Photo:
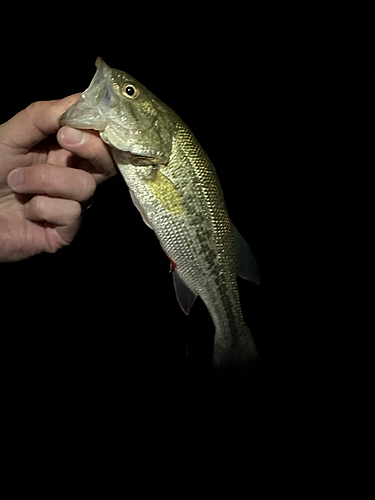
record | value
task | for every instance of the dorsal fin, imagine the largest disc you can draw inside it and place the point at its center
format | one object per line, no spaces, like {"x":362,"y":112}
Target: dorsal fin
{"x":247,"y":267}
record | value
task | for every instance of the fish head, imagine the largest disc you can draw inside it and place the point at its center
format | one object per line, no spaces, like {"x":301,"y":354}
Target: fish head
{"x":129,"y":117}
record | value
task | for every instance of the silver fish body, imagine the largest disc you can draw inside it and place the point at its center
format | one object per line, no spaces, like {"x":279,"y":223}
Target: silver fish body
{"x":175,"y":188}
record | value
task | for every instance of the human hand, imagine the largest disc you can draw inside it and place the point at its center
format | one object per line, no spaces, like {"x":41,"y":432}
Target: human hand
{"x":46,"y":172}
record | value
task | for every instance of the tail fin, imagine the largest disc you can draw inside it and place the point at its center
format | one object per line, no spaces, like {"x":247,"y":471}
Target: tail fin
{"x":241,"y":356}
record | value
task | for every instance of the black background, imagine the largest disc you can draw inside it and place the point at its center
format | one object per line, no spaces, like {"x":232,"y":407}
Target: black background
{"x":93,"y":340}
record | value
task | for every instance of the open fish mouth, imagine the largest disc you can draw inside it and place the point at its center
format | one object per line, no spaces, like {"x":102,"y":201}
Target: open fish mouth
{"x":90,"y":111}
{"x":81,"y":115}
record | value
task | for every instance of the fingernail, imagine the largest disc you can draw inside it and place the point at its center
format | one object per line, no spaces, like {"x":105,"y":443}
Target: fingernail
{"x":26,"y":209}
{"x":72,"y":136}
{"x":15,"y":178}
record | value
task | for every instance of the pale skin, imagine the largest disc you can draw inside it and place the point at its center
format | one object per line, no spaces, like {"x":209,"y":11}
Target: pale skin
{"x":46,"y":174}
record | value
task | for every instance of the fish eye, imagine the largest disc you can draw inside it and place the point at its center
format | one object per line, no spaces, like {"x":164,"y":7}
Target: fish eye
{"x":129,"y":90}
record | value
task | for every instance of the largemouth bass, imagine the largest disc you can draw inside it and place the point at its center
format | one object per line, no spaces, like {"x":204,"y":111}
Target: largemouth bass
{"x":174,"y":186}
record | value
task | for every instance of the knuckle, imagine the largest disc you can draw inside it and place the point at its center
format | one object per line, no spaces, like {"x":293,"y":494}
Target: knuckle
{"x":32,"y":105}
{"x":75,"y":210}
{"x":35,"y":204}
{"x":33,"y":108}
{"x":42,"y":177}
{"x":35,"y":207}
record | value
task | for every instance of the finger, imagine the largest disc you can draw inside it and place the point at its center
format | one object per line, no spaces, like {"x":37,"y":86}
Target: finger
{"x":61,"y":182}
{"x":34,"y":123}
{"x":53,"y":210}
{"x":87,"y":145}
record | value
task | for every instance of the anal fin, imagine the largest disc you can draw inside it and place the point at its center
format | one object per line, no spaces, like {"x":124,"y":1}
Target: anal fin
{"x":185,"y":296}
{"x":247,"y":267}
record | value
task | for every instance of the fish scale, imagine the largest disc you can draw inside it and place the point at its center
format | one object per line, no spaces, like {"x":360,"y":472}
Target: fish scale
{"x":175,"y":187}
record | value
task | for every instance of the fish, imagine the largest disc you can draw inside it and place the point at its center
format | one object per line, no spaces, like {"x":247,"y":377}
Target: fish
{"x":175,"y":187}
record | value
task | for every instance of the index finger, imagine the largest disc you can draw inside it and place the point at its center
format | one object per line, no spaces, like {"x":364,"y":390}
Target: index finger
{"x":34,"y":123}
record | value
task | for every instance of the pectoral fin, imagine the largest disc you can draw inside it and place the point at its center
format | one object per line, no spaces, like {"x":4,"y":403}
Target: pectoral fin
{"x":185,"y":296}
{"x":167,"y":193}
{"x":247,"y":267}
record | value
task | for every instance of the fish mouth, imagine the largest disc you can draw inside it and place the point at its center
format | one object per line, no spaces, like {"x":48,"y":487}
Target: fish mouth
{"x":90,"y":110}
